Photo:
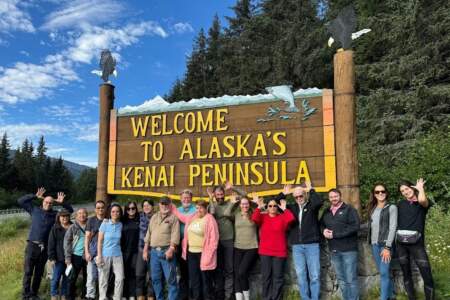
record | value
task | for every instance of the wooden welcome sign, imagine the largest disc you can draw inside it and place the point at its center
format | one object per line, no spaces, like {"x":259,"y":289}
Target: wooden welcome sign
{"x":258,"y":143}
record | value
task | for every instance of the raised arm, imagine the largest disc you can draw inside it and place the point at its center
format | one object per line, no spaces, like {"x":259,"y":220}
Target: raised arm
{"x":26,"y":201}
{"x":228,"y":212}
{"x":60,"y":200}
{"x":422,"y":197}
{"x":181,"y":217}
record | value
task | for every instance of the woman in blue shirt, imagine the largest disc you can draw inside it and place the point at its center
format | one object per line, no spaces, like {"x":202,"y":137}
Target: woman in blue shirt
{"x":109,"y":253}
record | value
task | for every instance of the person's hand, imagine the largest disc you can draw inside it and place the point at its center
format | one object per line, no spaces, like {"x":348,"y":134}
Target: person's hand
{"x":51,"y":263}
{"x":87,"y":256}
{"x":385,"y":255}
{"x":210,"y":192}
{"x":420,"y":185}
{"x":99,"y":261}
{"x":233,"y":198}
{"x":145,"y":255}
{"x":61,"y":197}
{"x":40,"y":193}
{"x":169,"y":253}
{"x":282,"y":204}
{"x":328,"y":234}
{"x":287,"y":189}
{"x":257,"y":200}
{"x":228,"y":185}
{"x":68,"y":262}
{"x":308,"y":186}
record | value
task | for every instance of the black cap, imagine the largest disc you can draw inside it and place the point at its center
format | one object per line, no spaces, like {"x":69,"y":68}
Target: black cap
{"x":165,"y":200}
{"x":64,"y":212}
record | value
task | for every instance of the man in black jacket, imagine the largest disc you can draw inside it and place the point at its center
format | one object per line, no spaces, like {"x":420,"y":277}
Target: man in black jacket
{"x":42,"y":220}
{"x":304,"y":237}
{"x":340,"y":225}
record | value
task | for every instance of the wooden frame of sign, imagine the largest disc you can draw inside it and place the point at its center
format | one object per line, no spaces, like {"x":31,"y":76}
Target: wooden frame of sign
{"x":258,"y":146}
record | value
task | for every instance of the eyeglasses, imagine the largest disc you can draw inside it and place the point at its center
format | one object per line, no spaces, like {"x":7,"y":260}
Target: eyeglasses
{"x":271,"y":206}
{"x":131,"y":208}
{"x":379,"y":192}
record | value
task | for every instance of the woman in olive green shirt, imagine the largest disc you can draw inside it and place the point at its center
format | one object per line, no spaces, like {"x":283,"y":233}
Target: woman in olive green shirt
{"x":245,"y":244}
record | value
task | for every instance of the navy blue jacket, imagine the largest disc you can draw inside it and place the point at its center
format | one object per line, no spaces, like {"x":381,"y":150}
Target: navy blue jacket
{"x":42,"y":221}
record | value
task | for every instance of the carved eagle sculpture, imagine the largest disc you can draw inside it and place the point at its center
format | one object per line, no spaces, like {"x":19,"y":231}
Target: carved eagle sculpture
{"x":107,"y":65}
{"x":342,"y":27}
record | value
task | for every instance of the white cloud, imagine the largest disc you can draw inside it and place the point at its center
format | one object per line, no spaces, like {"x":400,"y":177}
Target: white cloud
{"x":86,"y":132}
{"x":90,"y":101}
{"x":81,"y":12}
{"x":12,"y":18}
{"x":57,"y":150}
{"x":23,"y":52}
{"x":94,"y":39}
{"x":26,"y":81}
{"x":17,"y":133}
{"x":63,"y":111}
{"x":183,"y":27}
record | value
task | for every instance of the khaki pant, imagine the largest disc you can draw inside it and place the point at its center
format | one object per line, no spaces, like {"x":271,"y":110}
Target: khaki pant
{"x":116,"y":263}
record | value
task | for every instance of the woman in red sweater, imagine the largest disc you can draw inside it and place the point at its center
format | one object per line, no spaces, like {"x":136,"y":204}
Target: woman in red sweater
{"x":273,"y":226}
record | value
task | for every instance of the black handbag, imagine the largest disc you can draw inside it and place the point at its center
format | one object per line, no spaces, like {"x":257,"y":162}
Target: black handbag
{"x":408,"y":236}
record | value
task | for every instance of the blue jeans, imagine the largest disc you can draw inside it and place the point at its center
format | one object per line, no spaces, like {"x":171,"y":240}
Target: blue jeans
{"x":58,"y":272}
{"x":307,"y":264}
{"x":345,"y":265}
{"x":159,"y":265}
{"x":387,"y":286}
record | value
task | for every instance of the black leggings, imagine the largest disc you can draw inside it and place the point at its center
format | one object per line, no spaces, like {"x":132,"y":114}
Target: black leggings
{"x":244,"y":260}
{"x":415,"y":252}
{"x":200,"y":282}
{"x":79,"y":265}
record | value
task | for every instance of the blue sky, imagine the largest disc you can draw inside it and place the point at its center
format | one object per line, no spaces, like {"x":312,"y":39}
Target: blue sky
{"x":48,"y":49}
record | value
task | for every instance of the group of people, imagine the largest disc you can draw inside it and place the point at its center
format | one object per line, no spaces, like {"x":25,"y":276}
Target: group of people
{"x":214,"y":245}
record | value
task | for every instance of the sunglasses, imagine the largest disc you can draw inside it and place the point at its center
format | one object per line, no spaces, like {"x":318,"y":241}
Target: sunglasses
{"x":299,"y":196}
{"x":380,"y":192}
{"x":131,"y":208}
{"x":271,"y":205}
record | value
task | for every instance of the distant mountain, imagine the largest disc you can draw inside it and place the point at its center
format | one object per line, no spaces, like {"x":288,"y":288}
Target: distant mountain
{"x":74,"y":168}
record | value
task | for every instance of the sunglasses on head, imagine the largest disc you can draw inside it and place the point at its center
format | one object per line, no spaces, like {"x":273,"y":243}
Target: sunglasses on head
{"x":380,"y":192}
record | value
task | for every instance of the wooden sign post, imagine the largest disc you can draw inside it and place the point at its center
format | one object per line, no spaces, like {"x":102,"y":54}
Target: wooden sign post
{"x":106,"y":104}
{"x":345,"y":126}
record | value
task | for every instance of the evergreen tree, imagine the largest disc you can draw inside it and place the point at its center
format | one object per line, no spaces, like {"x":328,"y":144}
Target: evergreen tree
{"x":176,"y":93}
{"x":86,"y":185}
{"x":196,"y":74}
{"x":5,"y":163}
{"x":60,"y":178}
{"x":41,"y":168}
{"x":25,"y":168}
{"x":213,"y":60}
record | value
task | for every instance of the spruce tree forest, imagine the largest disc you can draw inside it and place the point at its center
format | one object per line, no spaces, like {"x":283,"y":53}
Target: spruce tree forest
{"x":27,"y":168}
{"x":402,"y":76}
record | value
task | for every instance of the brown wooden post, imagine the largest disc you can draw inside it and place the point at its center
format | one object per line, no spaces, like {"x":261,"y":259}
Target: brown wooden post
{"x":345,"y":126}
{"x":106,"y":104}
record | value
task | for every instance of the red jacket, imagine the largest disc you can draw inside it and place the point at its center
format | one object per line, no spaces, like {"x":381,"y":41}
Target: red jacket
{"x":272,"y":232}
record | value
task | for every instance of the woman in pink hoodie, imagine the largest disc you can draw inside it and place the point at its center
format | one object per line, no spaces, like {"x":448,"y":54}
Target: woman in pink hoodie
{"x":199,"y":246}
